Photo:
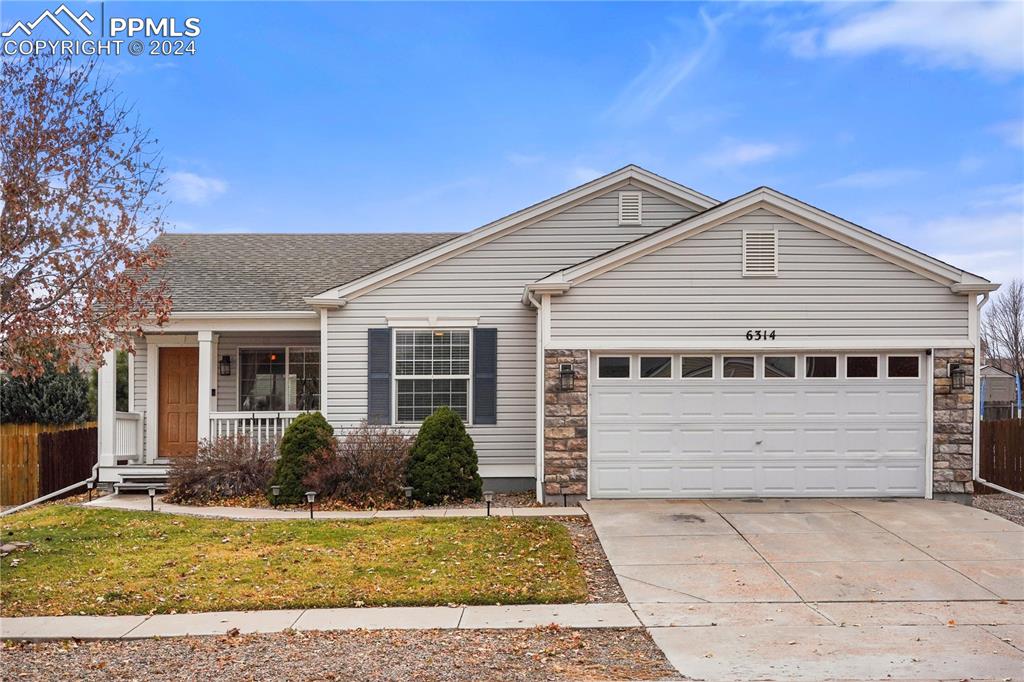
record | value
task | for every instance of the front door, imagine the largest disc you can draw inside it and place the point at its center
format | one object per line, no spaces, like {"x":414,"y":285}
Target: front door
{"x":179,"y":401}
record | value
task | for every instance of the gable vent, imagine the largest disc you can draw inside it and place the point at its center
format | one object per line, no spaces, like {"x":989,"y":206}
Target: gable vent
{"x":630,"y":208}
{"x":760,"y":253}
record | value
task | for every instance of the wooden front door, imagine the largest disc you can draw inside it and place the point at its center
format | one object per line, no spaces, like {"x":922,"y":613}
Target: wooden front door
{"x":178,"y":418}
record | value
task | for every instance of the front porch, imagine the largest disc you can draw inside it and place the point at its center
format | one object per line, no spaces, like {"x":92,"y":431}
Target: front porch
{"x":189,"y":387}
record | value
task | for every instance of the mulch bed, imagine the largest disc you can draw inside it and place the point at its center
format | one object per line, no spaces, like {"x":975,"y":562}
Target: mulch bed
{"x":549,"y":653}
{"x":1007,"y":506}
{"x":602,"y":585}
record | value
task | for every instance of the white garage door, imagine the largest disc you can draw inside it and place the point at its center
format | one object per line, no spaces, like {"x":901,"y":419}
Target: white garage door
{"x":737,"y":425}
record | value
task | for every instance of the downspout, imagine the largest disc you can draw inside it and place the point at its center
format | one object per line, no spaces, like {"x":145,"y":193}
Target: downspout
{"x":977,"y":410}
{"x":55,"y":493}
{"x":539,"y":399}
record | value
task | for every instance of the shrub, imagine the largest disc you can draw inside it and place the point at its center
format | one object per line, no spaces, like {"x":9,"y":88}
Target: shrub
{"x":53,"y":398}
{"x":443,"y":464}
{"x":307,"y":435}
{"x":365,"y":469}
{"x":220,"y":469}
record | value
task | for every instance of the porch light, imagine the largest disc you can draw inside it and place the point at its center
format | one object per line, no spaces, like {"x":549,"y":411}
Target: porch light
{"x":275,"y":490}
{"x":152,"y":497}
{"x":408,"y":495}
{"x":488,"y":498}
{"x":224,"y":366}
{"x":310,"y":497}
{"x":957,"y":375}
{"x":566,"y":376}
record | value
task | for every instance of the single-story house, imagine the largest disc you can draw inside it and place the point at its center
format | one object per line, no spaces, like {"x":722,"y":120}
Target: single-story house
{"x":998,"y":393}
{"x":630,"y":337}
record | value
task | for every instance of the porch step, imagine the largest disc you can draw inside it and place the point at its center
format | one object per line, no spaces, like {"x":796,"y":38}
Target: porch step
{"x":141,"y":483}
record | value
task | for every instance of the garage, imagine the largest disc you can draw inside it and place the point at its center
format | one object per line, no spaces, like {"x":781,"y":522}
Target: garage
{"x":758,"y":424}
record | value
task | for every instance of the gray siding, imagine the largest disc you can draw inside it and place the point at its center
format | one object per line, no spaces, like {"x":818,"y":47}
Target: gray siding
{"x":229,"y":343}
{"x":486,"y":282}
{"x":694,"y":291}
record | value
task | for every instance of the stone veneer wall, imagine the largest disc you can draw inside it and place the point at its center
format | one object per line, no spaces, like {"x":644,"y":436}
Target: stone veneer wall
{"x":953,"y":433}
{"x":565,"y":426}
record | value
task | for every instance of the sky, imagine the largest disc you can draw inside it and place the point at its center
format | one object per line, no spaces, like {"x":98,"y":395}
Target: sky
{"x":906,"y":118}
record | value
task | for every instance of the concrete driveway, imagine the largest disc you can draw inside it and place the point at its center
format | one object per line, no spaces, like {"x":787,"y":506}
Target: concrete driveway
{"x":822,"y":589}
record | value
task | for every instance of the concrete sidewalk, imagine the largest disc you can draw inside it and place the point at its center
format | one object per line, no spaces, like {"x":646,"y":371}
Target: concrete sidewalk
{"x":44,"y":628}
{"x":141,"y":503}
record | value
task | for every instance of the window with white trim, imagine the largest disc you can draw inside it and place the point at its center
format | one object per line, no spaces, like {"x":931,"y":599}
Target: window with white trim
{"x":284,"y":378}
{"x":432,"y":370}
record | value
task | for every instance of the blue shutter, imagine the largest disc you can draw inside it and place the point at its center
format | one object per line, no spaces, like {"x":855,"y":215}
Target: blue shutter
{"x":378,"y":400}
{"x":485,"y":376}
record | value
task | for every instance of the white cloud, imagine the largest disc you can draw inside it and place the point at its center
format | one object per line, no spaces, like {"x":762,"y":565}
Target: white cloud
{"x":665,"y":70}
{"x":957,"y":34}
{"x":874,"y":179}
{"x":582,"y":174}
{"x":993,"y":243}
{"x":1012,"y":132}
{"x":734,"y":153}
{"x":520,"y":159}
{"x":191,"y":188}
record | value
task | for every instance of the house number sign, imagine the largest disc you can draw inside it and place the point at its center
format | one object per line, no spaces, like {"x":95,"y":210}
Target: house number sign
{"x":760,"y":335}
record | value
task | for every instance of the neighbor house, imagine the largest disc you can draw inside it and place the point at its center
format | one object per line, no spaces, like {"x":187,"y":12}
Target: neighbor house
{"x":630,"y":337}
{"x":998,"y":393}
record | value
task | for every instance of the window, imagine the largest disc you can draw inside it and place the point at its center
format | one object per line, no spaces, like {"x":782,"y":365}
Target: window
{"x":431,"y":371}
{"x":696,"y":367}
{"x":613,"y":367}
{"x":861,"y":366}
{"x":278,"y":379}
{"x":738,"y":367}
{"x":659,"y":367}
{"x":821,"y":366}
{"x":776,"y":367}
{"x":903,"y":366}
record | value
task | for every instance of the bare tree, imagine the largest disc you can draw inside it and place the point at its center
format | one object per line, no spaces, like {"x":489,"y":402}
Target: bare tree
{"x":81,"y":204}
{"x":1003,"y":327}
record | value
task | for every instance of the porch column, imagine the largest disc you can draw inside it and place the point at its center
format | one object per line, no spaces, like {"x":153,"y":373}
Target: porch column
{"x":205,"y":383}
{"x":106,"y":399}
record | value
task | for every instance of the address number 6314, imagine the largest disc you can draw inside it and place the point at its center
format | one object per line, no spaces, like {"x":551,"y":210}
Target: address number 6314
{"x":760,"y":335}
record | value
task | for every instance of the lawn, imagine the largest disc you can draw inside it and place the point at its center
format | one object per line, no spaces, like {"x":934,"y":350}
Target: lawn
{"x":87,"y":561}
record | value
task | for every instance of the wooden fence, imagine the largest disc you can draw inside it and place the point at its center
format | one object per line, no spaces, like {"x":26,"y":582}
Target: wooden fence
{"x":1001,"y":454}
{"x":36,"y":459}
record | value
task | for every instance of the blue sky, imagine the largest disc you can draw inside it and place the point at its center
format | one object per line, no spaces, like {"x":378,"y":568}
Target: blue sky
{"x":905,"y":118}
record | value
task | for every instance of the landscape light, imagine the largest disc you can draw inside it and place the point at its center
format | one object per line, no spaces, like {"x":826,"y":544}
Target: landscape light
{"x":152,"y":497}
{"x":488,"y":498}
{"x":275,"y":490}
{"x":90,"y":485}
{"x":310,"y":497}
{"x":408,"y":495}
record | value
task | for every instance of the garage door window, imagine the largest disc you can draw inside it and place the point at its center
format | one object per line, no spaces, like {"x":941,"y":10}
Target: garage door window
{"x":903,"y":366}
{"x":697,"y":367}
{"x":656,"y":367}
{"x":821,"y":366}
{"x":779,"y":367}
{"x":738,"y":367}
{"x":610,"y":367}
{"x":862,"y":366}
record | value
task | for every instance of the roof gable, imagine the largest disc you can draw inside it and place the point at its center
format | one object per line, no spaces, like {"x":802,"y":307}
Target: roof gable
{"x":787,"y":207}
{"x":629,"y":175}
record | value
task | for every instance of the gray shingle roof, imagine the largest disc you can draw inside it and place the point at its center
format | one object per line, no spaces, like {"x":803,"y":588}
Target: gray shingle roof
{"x":225,"y":272}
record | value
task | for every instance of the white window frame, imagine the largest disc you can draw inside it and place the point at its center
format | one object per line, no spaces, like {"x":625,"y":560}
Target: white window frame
{"x":395,"y":378}
{"x":671,"y":367}
{"x":597,"y":366}
{"x":714,"y":369}
{"x":796,"y":366}
{"x":741,"y":354}
{"x":287,"y":366}
{"x":803,"y":366}
{"x":902,"y":355}
{"x":878,"y":366}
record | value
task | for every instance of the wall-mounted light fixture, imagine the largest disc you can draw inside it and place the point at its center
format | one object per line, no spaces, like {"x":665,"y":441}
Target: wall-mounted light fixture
{"x":224,"y":366}
{"x":566,"y":376}
{"x":957,"y":375}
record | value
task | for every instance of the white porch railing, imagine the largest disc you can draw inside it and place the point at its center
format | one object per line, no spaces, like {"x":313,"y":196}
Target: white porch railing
{"x":263,"y":426}
{"x":128,"y":435}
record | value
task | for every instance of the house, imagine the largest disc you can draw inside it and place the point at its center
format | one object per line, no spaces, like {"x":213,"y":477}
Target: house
{"x":630,"y":337}
{"x":998,"y":393}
